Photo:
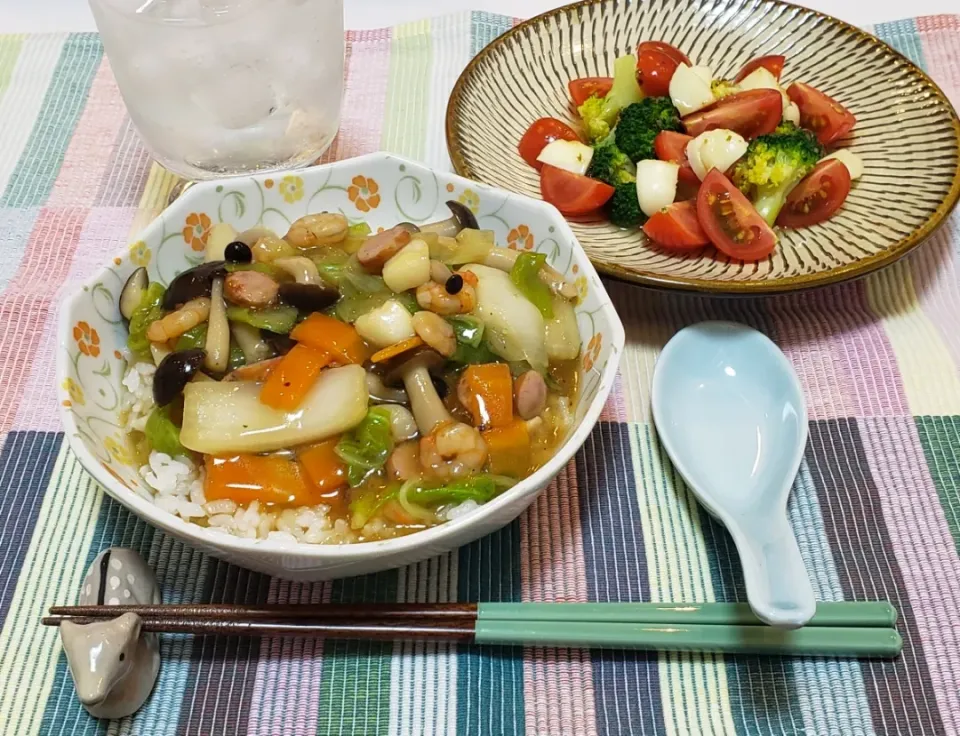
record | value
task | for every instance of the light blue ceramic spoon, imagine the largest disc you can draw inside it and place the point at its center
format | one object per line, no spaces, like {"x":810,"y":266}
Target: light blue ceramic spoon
{"x":731,"y":415}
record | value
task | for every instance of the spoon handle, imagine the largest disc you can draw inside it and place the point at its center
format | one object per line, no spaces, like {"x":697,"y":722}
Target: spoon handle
{"x":778,"y":587}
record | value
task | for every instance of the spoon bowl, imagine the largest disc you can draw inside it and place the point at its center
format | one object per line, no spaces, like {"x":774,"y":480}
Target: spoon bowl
{"x":731,"y":415}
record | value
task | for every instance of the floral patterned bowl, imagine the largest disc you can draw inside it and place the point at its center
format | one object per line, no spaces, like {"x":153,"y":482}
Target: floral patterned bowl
{"x":382,"y":190}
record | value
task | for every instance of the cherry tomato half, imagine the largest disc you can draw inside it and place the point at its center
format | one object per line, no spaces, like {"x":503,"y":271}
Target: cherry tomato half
{"x":818,"y":196}
{"x":583,"y":89}
{"x":676,"y":227}
{"x":773,"y":64}
{"x":571,"y":193}
{"x":822,"y":114}
{"x":656,"y":62}
{"x":542,"y":132}
{"x":670,"y":145}
{"x":751,"y":113}
{"x":731,"y":222}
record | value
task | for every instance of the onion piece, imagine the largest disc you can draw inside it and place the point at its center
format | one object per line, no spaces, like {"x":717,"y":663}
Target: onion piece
{"x":791,"y":113}
{"x":721,"y":148}
{"x":218,"y":238}
{"x":689,"y":91}
{"x":656,"y":184}
{"x":572,"y":156}
{"x":849,"y":159}
{"x":715,"y":149}
{"x":221,"y":418}
{"x":762,"y":78}
{"x":251,"y":342}
{"x":704,"y":72}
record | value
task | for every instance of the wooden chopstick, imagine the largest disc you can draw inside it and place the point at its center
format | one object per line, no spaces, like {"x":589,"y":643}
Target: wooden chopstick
{"x":451,"y":630}
{"x":293,"y":611}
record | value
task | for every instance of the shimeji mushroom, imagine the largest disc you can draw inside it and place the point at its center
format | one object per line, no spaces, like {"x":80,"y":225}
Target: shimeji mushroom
{"x":132,"y":292}
{"x":413,"y":370}
{"x":382,"y":394}
{"x":175,"y":371}
{"x":218,"y":331}
{"x":460,"y":219}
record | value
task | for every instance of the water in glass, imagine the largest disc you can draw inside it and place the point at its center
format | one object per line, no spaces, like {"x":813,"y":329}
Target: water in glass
{"x":223,"y":87}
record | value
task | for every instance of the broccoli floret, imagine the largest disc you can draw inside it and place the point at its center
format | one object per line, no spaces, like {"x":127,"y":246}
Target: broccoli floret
{"x":723,"y":88}
{"x":611,"y":165}
{"x":623,"y":208}
{"x":774,"y":164}
{"x":640,"y":123}
{"x":599,"y":114}
{"x":597,"y":118}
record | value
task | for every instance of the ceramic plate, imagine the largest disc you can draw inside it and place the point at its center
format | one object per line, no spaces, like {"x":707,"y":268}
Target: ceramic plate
{"x":907,"y":132}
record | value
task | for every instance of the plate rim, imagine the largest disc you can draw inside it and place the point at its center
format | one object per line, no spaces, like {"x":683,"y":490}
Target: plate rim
{"x":837,"y":275}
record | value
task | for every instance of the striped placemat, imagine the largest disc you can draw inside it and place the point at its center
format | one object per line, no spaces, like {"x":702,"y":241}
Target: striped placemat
{"x":876,"y":505}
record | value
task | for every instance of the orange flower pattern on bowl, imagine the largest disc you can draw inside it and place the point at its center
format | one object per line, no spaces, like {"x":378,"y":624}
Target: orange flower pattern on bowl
{"x":592,"y":352}
{"x":87,"y":339}
{"x":364,"y":192}
{"x":196,"y":230}
{"x":520,"y":238}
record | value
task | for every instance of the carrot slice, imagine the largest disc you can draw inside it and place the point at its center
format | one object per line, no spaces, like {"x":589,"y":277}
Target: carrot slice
{"x":486,"y":390}
{"x":332,"y":336}
{"x":396,"y":349}
{"x":293,"y":377}
{"x":509,"y":449}
{"x":323,"y":466}
{"x":270,"y":479}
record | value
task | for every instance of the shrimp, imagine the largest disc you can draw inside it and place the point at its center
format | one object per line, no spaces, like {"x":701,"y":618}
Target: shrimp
{"x":439,"y":299}
{"x":452,"y":450}
{"x":325,"y":228}
{"x":404,"y":461}
{"x":436,"y":332}
{"x":176,"y":323}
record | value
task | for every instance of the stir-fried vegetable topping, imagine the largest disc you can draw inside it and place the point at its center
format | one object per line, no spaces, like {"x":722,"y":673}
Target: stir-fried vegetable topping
{"x":366,"y":447}
{"x":148,"y":312}
{"x":334,"y":374}
{"x":478,"y":488}
{"x":162,"y":434}
{"x":274,"y":319}
{"x":525,"y":274}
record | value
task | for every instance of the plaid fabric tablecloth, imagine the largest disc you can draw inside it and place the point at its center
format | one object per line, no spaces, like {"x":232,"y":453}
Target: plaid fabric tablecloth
{"x":876,"y":505}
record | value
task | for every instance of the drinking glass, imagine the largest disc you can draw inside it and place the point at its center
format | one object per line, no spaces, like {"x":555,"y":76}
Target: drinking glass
{"x":224,"y":87}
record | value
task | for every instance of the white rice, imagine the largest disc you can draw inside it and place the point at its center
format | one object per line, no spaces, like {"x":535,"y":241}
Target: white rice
{"x":175,"y":484}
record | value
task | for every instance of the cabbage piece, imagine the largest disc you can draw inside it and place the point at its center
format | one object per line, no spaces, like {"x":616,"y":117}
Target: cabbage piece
{"x":147,"y":312}
{"x":220,"y":418}
{"x":368,"y":502}
{"x":162,"y":434}
{"x":479,"y":488}
{"x":365,"y":448}
{"x":275,"y":319}
{"x":471,"y":348}
{"x":563,"y":334}
{"x":514,"y":327}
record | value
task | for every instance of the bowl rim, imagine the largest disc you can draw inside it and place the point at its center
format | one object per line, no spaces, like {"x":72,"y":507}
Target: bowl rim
{"x":435,"y":536}
{"x":837,"y":275}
